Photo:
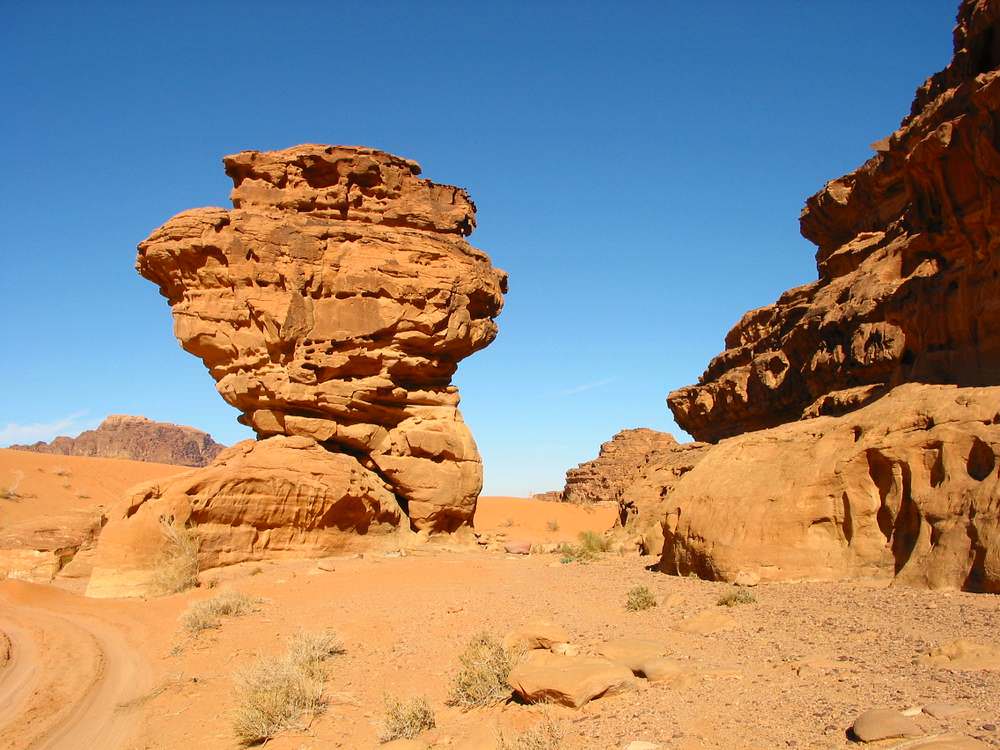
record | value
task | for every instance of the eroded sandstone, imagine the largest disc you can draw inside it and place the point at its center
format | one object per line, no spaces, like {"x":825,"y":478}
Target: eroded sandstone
{"x":331,"y":305}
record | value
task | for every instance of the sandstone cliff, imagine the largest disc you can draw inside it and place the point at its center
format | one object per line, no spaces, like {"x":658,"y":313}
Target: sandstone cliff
{"x":138,"y":439}
{"x":909,"y":273}
{"x":868,"y":459}
{"x":332,"y":305}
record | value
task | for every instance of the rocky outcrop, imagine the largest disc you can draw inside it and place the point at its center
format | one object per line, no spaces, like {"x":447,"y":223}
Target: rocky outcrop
{"x":137,"y":439}
{"x":331,"y":305}
{"x":636,"y":469}
{"x":616,"y":466}
{"x":906,"y":487}
{"x":908,"y":266}
{"x":40,"y":548}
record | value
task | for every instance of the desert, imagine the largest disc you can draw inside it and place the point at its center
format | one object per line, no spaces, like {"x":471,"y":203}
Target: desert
{"x":429,"y":508}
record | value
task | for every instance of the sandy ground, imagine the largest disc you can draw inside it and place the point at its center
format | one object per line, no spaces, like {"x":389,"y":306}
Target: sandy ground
{"x":792,"y":670}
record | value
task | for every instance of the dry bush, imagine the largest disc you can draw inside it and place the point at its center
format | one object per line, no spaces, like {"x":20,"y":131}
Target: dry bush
{"x":61,"y":471}
{"x":640,"y":598}
{"x":276,"y":693}
{"x":546,"y":735}
{"x":552,"y":525}
{"x":273,"y":694}
{"x":736,"y":597}
{"x":592,"y":545}
{"x":482,"y":679}
{"x":406,"y":719}
{"x":177,"y":566}
{"x":10,"y":492}
{"x":208,"y":613}
{"x":311,"y":650}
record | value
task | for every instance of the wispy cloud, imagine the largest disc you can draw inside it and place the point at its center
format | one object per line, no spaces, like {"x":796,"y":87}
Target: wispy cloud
{"x":31,"y":433}
{"x":586,"y":387}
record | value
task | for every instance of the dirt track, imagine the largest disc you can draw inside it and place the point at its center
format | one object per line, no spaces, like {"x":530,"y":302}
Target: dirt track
{"x":68,"y":675}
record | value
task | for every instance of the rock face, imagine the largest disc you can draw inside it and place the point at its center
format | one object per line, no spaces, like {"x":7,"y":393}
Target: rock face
{"x":138,"y":439}
{"x":909,"y":273}
{"x":332,"y":306}
{"x":908,"y":486}
{"x":616,"y":466}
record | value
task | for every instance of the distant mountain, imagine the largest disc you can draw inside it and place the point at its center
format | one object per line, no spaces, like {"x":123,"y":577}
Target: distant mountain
{"x":138,"y":439}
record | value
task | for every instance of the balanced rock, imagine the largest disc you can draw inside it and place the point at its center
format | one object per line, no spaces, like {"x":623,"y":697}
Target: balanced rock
{"x":331,"y":306}
{"x":544,"y":677}
{"x":909,"y":272}
{"x":136,"y":439}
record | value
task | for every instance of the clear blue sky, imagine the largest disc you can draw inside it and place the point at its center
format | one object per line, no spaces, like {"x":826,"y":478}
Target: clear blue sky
{"x":638,"y":167}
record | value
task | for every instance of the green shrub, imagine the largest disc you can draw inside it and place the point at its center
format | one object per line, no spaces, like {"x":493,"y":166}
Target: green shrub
{"x":640,"y":598}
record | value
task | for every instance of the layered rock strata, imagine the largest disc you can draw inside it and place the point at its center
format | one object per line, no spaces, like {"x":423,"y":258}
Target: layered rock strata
{"x":137,"y":439}
{"x":331,"y":305}
{"x":909,"y":273}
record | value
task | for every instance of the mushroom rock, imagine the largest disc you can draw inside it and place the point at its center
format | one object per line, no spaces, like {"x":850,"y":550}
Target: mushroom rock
{"x":331,"y":305}
{"x":908,"y":284}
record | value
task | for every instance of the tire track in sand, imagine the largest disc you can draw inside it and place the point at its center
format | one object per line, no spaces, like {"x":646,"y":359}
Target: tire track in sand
{"x":67,"y":676}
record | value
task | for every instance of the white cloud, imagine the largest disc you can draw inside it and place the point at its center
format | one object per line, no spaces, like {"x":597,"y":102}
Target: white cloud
{"x":586,"y":387}
{"x":31,"y":433}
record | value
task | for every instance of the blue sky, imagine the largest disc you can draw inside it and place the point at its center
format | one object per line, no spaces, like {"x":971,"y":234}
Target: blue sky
{"x":638,"y":167}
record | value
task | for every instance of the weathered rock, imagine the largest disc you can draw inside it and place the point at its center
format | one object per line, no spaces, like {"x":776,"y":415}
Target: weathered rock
{"x":945,"y":710}
{"x":632,"y":653}
{"x":331,"y":305}
{"x":908,"y":265}
{"x":637,"y":469}
{"x":948,"y":742}
{"x":964,"y":655}
{"x":884,"y":724}
{"x":137,"y":439}
{"x":39,"y":549}
{"x":269,"y":498}
{"x":534,"y":635}
{"x":568,"y":680}
{"x":907,"y":486}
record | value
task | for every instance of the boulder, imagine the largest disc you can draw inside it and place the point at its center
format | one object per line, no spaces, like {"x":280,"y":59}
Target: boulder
{"x":632,"y":653}
{"x":136,"y":439}
{"x":331,"y":305}
{"x":536,"y":634}
{"x":884,"y":724}
{"x":568,"y":680}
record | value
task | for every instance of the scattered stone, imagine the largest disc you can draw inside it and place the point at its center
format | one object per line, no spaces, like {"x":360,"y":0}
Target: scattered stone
{"x":884,"y":724}
{"x":632,"y":653}
{"x":535,"y":635}
{"x":746,"y":578}
{"x":518,"y":547}
{"x":964,"y":655}
{"x":568,"y":680}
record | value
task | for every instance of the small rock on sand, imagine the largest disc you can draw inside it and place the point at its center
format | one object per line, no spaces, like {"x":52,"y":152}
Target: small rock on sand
{"x":884,"y":724}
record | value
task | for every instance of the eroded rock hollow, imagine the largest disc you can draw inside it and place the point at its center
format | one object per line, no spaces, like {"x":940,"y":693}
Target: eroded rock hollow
{"x":331,"y":305}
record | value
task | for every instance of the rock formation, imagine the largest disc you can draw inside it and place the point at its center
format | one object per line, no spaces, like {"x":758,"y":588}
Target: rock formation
{"x":636,"y":469}
{"x":332,"y":306}
{"x":138,"y":439}
{"x":909,"y":273}
{"x":876,"y":453}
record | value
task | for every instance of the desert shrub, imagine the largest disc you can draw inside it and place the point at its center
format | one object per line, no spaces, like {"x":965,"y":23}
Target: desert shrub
{"x":272,"y":694}
{"x":208,"y":613}
{"x":10,"y":492}
{"x":737,"y":596}
{"x":482,"y":679}
{"x":406,"y":719}
{"x":177,"y":566}
{"x":311,"y":650}
{"x":592,"y":545}
{"x":546,"y":735}
{"x":61,"y":471}
{"x":552,"y":525}
{"x":507,"y":523}
{"x":640,"y":598}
